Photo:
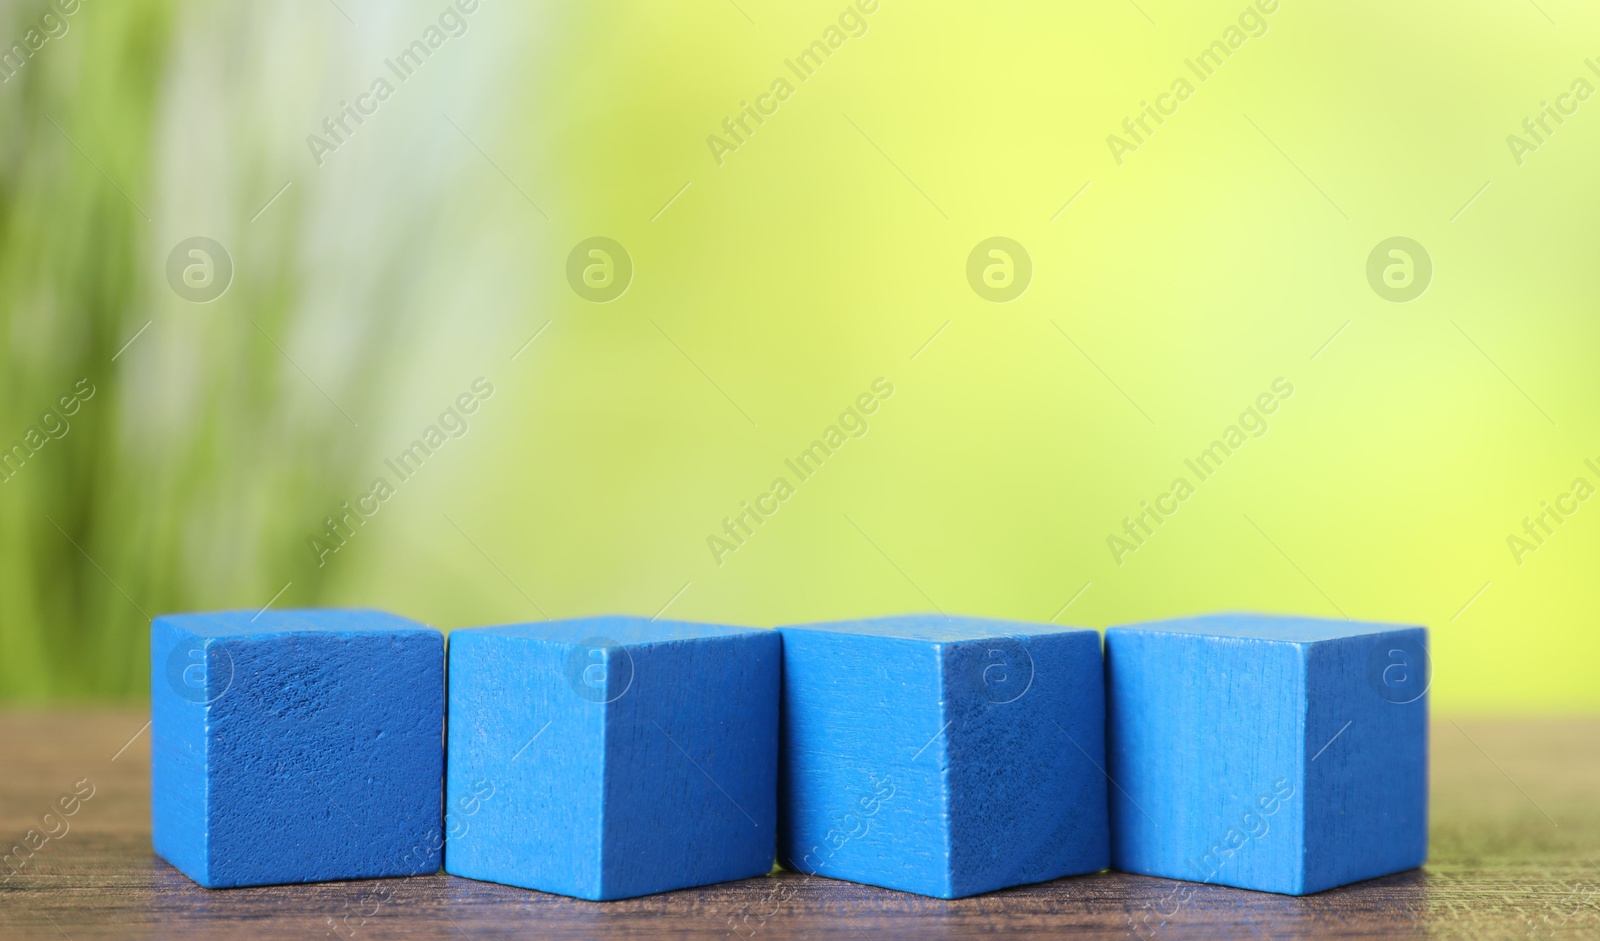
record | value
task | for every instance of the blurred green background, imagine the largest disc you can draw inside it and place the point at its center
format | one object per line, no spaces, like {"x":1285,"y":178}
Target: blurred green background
{"x":379,"y":270}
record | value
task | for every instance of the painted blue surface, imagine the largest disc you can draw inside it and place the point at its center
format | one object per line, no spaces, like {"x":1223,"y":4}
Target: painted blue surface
{"x":296,"y":746}
{"x":942,"y":756}
{"x":612,"y":757}
{"x":1285,"y":755}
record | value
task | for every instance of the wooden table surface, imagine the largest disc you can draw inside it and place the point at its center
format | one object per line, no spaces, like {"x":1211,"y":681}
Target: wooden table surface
{"x":1515,"y":839}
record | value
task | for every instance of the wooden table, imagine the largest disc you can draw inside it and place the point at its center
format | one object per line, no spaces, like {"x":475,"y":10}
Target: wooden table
{"x":1516,"y":832}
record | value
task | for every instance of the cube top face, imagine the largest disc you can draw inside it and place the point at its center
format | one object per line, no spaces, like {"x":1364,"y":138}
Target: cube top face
{"x":942,"y":763}
{"x":233,"y":624}
{"x":283,"y":755}
{"x":1267,"y":760}
{"x":1294,"y":630}
{"x":934,"y":628}
{"x":606,"y":761}
{"x":613,"y":631}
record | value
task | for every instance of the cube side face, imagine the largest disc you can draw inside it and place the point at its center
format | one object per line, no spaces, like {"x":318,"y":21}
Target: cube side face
{"x":691,"y":764}
{"x":326,"y":757}
{"x":1026,"y":749}
{"x":1366,"y":801}
{"x":862,"y":786}
{"x":525,"y":783}
{"x":1206,"y":742}
{"x":179,"y":702}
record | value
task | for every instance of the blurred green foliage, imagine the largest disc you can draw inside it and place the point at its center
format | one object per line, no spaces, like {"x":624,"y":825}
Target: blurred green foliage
{"x":70,"y":245}
{"x":161,"y":491}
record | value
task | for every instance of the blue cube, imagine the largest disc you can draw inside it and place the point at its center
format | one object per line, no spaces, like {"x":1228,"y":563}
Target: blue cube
{"x":612,"y":757}
{"x":942,"y":756}
{"x":1280,"y":754}
{"x":295,"y":746}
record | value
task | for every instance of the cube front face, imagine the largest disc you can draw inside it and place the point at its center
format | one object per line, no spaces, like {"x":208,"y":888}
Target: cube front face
{"x":861,"y":761}
{"x":300,"y":747}
{"x":941,"y":761}
{"x":1268,"y":754}
{"x":1206,"y":743}
{"x":612,"y":757}
{"x":524,"y":790}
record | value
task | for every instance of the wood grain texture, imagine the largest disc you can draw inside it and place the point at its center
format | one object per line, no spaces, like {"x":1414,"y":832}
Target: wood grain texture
{"x":1501,"y":868}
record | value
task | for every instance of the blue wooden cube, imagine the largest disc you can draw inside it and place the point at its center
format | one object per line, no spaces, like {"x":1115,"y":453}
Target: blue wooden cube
{"x":612,"y":757}
{"x":295,"y":746}
{"x":942,"y":756}
{"x":1273,"y":753}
